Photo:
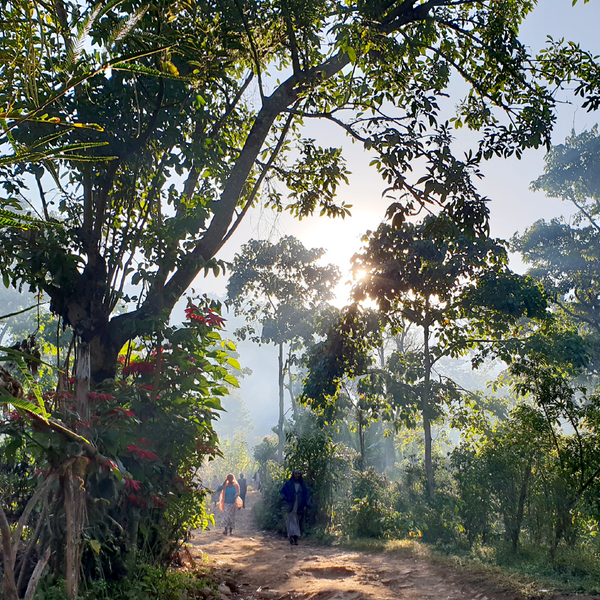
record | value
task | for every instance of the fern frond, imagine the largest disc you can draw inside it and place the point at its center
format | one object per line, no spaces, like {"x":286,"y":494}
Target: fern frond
{"x":22,"y":404}
{"x":8,"y":218}
{"x":83,"y":31}
{"x":57,"y":153}
{"x":129,"y":25}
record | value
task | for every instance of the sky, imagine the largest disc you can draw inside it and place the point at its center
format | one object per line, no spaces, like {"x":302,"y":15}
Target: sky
{"x":513,"y":206}
{"x":506,"y":182}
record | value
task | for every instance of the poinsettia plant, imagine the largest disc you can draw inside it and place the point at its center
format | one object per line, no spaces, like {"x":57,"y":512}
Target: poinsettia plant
{"x":149,"y":431}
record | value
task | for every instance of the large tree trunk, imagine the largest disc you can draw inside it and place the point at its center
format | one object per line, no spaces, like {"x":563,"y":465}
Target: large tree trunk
{"x":281,"y":406}
{"x":75,"y":495}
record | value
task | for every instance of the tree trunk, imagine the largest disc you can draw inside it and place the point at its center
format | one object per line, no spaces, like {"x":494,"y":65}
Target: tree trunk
{"x":281,"y":399}
{"x":74,"y":510}
{"x":75,"y":495}
{"x":361,"y":435}
{"x":290,"y":386}
{"x":8,"y":559}
{"x":425,"y":408}
{"x":521,"y":508}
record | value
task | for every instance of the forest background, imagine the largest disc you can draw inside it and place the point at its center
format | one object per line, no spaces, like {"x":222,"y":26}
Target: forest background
{"x":165,"y":360}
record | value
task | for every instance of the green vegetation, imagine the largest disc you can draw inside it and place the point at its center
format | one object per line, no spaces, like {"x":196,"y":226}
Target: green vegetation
{"x":516,"y":492}
{"x":135,"y":137}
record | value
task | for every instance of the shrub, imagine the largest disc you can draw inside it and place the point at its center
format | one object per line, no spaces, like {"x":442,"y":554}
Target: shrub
{"x":369,"y":507}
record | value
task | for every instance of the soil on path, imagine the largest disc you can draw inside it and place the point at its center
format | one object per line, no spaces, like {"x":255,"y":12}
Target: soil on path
{"x":264,"y":566}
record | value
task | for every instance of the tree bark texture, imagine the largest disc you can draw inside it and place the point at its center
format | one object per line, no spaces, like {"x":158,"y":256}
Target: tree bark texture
{"x":75,"y":494}
{"x":75,"y":515}
{"x":8,"y":559}
{"x":10,"y":545}
{"x":361,"y":434}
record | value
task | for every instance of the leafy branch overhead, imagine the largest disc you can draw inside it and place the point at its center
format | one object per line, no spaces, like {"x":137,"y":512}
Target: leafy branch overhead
{"x":199,"y":113}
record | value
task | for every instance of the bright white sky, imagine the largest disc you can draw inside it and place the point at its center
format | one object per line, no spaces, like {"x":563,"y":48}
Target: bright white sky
{"x":506,"y":183}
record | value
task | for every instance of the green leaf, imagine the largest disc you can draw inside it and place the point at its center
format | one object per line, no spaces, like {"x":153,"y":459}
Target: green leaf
{"x":234,"y":363}
{"x":22,"y":404}
{"x":231,"y":380}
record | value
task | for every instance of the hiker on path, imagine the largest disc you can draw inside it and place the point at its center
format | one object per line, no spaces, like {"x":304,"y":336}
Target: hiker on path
{"x":230,"y":494}
{"x":295,"y":493}
{"x":243,"y":489}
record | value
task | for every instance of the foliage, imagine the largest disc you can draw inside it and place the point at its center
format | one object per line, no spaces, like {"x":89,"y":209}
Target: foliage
{"x":147,"y":583}
{"x":564,"y":256}
{"x":443,"y":278}
{"x":324,"y":465}
{"x":234,"y":458}
{"x":278,"y":288}
{"x":533,"y":474}
{"x":270,"y":512}
{"x":265,"y":452}
{"x":369,"y":508}
{"x":151,"y":428}
{"x":182,"y":151}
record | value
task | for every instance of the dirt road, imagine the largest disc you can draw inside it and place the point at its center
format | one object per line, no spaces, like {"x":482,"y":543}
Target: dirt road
{"x":264,"y":566}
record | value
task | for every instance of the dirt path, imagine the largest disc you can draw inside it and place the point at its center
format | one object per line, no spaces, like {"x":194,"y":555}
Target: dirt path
{"x":264,"y":566}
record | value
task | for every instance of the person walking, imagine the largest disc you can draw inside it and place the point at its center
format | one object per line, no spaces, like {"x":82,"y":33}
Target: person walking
{"x":216,"y":490}
{"x":227,"y":502}
{"x":295,"y":493}
{"x":243,"y":489}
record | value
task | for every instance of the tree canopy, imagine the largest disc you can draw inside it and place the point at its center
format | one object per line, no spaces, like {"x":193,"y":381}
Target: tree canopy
{"x":197,"y":113}
{"x":278,"y":288}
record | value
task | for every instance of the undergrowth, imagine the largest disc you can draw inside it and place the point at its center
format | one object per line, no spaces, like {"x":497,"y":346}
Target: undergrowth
{"x":150,"y":583}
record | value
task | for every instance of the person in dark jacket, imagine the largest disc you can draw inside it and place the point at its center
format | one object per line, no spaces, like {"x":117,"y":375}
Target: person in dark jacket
{"x":243,"y":489}
{"x":295,"y":493}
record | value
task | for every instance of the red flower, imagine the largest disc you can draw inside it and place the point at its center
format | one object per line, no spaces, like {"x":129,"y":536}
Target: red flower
{"x":136,"y":501}
{"x":132,"y":484}
{"x":96,"y":397}
{"x":206,"y":448}
{"x":121,"y":412}
{"x":157,"y":501}
{"x":148,"y":388}
{"x":210,"y":318}
{"x":141,"y":453}
{"x":139,"y":368}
